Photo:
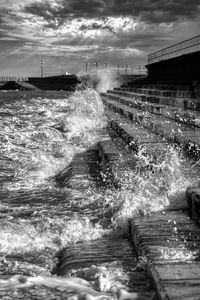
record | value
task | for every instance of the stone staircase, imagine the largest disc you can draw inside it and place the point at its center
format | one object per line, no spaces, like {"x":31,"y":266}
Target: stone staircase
{"x":148,"y":118}
{"x":173,"y":118}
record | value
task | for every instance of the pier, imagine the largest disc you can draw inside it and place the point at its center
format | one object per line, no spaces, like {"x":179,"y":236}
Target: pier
{"x":60,"y":82}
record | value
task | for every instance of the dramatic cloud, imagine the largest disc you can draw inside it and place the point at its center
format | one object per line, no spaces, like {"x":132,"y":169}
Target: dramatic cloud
{"x":66,"y":33}
{"x":156,"y":11}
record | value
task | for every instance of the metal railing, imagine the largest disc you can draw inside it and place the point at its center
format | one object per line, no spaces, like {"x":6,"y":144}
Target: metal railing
{"x":185,"y":47}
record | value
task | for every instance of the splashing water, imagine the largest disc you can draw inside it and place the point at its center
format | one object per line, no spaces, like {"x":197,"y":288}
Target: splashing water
{"x":41,"y":136}
{"x":87,"y":114}
{"x":160,"y":188}
{"x":107,"y":80}
{"x":47,"y":232}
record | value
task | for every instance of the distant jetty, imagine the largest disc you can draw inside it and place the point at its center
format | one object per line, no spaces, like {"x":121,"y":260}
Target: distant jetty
{"x":60,"y":82}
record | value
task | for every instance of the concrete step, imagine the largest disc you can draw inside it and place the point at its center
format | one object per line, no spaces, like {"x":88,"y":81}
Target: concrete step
{"x":159,"y":100}
{"x":76,"y":175}
{"x":156,"y":92}
{"x":79,"y":174}
{"x":161,"y":86}
{"x":135,"y":102}
{"x":109,"y":155}
{"x":108,"y":150}
{"x":185,"y":136}
{"x":189,"y":100}
{"x":169,"y":242}
{"x":111,"y":265}
{"x":174,"y":113}
{"x":140,"y":139}
{"x":136,"y":109}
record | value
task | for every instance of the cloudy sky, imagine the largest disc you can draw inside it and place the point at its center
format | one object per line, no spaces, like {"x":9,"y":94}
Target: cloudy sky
{"x":66,"y":34}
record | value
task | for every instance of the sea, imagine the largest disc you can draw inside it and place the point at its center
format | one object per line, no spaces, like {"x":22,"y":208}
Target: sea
{"x":40,"y":134}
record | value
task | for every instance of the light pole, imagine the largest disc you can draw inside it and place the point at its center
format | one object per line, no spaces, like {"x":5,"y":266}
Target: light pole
{"x":86,"y":67}
{"x":41,"y":67}
{"x":118,"y":69}
{"x":96,"y":64}
{"x":126,"y":68}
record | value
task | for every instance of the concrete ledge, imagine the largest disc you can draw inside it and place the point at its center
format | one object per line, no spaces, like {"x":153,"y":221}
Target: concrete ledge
{"x":108,"y":151}
{"x":89,"y":259}
{"x":193,"y":199}
{"x":180,"y":282}
{"x":109,"y":155}
{"x":139,"y":138}
{"x":174,"y":108}
{"x":184,"y":135}
{"x":169,"y":244}
{"x":76,"y":175}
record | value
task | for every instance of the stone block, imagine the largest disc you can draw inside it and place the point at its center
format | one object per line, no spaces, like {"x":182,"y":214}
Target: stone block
{"x":193,"y":199}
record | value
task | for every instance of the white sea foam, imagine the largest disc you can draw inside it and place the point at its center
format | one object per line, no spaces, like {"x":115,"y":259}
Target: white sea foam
{"x":45,"y":134}
{"x":160,"y":188}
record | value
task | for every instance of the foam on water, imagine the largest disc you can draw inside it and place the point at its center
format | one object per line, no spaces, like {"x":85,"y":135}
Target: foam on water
{"x":161,"y":187}
{"x":42,"y":135}
{"x":43,"y":232}
{"x":86,"y":115}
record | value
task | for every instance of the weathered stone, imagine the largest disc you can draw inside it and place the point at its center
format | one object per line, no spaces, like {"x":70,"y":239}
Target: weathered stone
{"x":166,"y":241}
{"x":180,"y":132}
{"x":108,"y":150}
{"x":193,"y":199}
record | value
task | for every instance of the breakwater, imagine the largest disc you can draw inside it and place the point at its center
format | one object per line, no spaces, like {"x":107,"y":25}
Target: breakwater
{"x":55,"y":83}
